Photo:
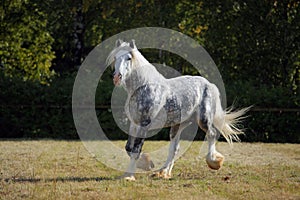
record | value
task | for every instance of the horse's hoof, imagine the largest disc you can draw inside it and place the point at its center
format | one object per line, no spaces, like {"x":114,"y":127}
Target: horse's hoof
{"x":161,"y":174}
{"x":215,"y":162}
{"x":129,"y":178}
{"x":145,"y":162}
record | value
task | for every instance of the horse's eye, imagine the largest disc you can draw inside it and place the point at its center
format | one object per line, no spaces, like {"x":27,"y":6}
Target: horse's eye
{"x":129,"y":58}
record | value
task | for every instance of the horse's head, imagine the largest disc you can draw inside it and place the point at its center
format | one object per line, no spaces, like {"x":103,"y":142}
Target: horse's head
{"x":121,"y":58}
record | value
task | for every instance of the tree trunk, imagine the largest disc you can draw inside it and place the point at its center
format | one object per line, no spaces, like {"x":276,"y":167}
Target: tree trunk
{"x":79,"y":29}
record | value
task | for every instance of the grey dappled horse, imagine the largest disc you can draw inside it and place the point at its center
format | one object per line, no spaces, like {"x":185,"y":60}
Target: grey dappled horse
{"x":155,"y":102}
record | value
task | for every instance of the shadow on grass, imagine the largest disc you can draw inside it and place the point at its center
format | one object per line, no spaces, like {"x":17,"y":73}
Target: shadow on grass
{"x":58,"y":179}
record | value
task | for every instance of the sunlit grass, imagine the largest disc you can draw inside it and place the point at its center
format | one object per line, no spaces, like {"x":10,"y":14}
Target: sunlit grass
{"x":49,"y":169}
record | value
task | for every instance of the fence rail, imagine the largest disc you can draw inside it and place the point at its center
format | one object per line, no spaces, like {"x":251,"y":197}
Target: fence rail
{"x":102,"y":107}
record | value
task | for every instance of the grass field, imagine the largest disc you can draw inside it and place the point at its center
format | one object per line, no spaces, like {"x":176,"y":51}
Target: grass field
{"x":48,"y":169}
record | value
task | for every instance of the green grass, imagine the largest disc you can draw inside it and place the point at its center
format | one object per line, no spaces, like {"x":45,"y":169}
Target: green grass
{"x":49,"y":169}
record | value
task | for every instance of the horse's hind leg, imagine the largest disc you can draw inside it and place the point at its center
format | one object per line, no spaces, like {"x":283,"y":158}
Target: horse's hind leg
{"x":175,"y":132}
{"x":214,"y":159}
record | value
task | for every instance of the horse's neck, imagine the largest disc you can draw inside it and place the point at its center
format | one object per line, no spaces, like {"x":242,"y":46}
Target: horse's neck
{"x":142,"y":75}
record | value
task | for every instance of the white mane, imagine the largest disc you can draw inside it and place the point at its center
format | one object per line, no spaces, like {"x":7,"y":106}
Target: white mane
{"x":141,"y":67}
{"x":111,"y":57}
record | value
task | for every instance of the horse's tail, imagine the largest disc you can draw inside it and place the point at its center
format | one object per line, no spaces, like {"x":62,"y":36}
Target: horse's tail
{"x":228,"y":121}
{"x":230,"y":129}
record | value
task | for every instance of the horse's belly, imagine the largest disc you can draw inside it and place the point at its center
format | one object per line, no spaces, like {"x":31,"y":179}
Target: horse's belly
{"x":173,"y":112}
{"x":165,"y":119}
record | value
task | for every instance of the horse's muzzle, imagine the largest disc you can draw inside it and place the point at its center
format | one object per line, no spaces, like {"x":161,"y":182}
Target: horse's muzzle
{"x":117,"y":79}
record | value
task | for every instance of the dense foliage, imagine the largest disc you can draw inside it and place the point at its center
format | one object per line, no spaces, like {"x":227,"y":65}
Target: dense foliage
{"x":25,"y":42}
{"x":255,"y":44}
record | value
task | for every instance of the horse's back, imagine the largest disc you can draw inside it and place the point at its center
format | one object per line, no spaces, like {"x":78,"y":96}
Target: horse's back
{"x":189,"y":91}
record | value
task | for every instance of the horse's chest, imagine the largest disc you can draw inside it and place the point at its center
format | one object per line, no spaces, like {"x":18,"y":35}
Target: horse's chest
{"x":145,"y":103}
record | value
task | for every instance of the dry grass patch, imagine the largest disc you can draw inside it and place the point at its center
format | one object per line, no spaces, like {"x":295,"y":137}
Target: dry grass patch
{"x":48,"y":169}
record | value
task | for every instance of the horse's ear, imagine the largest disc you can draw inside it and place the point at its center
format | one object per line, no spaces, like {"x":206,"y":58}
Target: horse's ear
{"x":132,"y":44}
{"x":119,"y":42}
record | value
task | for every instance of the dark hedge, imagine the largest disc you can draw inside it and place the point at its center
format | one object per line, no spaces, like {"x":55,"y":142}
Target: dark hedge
{"x":31,"y":110}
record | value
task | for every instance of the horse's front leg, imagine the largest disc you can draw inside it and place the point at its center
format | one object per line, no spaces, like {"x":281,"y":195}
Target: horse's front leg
{"x":134,"y":147}
{"x":165,"y":171}
{"x":175,"y":132}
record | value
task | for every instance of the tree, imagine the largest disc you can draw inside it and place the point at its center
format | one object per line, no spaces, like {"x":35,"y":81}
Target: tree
{"x":256,"y":42}
{"x":25,"y":43}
